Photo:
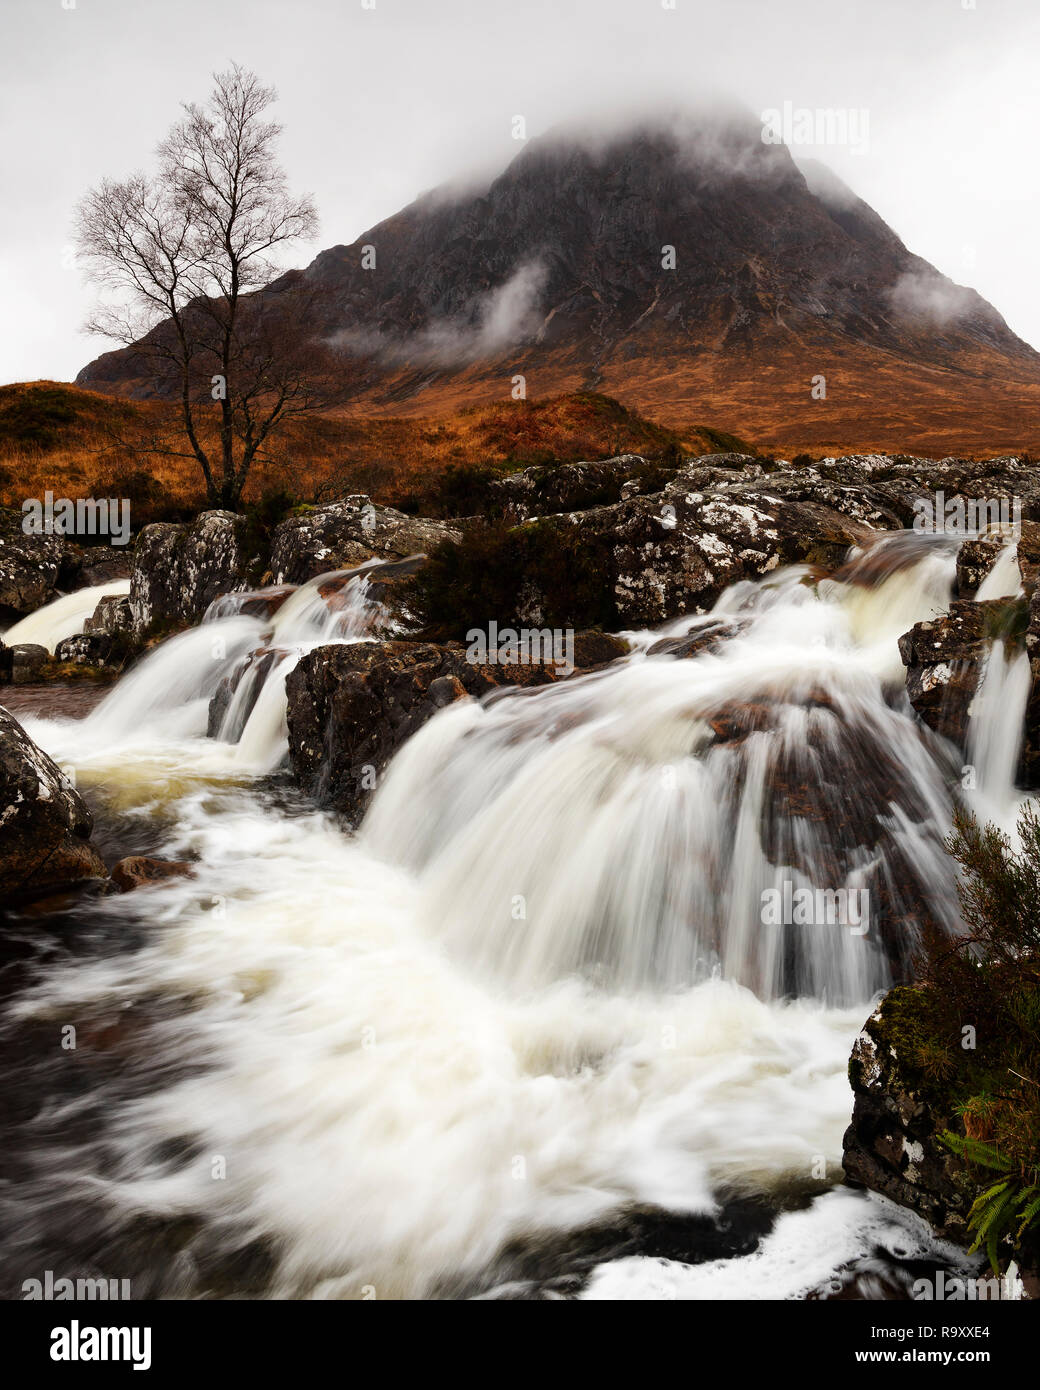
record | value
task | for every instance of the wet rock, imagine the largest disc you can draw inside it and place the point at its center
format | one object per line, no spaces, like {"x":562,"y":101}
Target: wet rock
{"x":1029,"y":556}
{"x":708,"y":638}
{"x":180,"y":568}
{"x":100,"y":564}
{"x":675,"y":551}
{"x":598,"y":649}
{"x":892,"y":1145}
{"x":28,"y":662}
{"x":248,"y":676}
{"x":944,"y":659}
{"x":6,"y":663}
{"x":251,"y":603}
{"x":86,"y":649}
{"x":345,"y":534}
{"x":140,"y":870}
{"x":112,"y":615}
{"x":30,"y":567}
{"x":44,"y":823}
{"x":975,"y":559}
{"x":350,"y":708}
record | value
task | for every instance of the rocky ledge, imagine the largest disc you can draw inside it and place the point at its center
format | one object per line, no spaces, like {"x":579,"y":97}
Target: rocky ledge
{"x":892,"y":1145}
{"x":351,"y":707}
{"x":44,"y":823}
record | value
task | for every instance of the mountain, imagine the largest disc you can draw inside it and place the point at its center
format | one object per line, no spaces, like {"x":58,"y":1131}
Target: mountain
{"x":683,"y":266}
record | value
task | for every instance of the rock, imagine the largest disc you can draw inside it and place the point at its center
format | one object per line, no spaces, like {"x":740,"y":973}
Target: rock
{"x":112,"y":615}
{"x":1029,"y":556}
{"x":139,"y":870}
{"x":708,"y":638}
{"x":544,"y":489}
{"x":44,"y":824}
{"x":30,"y":568}
{"x":674,"y":552}
{"x":944,"y":659}
{"x":100,"y":564}
{"x":351,"y":707}
{"x":598,"y":649}
{"x":254,"y":669}
{"x":6,"y":663}
{"x":250,"y":603}
{"x":342,"y":535}
{"x":87,"y":649}
{"x":975,"y":559}
{"x":28,"y":662}
{"x":180,"y":568}
{"x":892,"y":1145}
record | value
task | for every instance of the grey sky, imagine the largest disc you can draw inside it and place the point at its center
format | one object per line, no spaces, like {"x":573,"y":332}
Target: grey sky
{"x":382,"y":102}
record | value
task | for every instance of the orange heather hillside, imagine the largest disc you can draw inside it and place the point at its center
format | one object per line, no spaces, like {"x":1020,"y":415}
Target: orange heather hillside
{"x":80,"y":443}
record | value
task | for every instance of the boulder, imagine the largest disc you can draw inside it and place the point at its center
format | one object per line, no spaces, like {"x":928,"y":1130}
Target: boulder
{"x":344,"y":534}
{"x":944,"y":658}
{"x":707,"y":638}
{"x":100,"y":564}
{"x":180,"y":568}
{"x":111,"y":616}
{"x":975,"y":559}
{"x":139,"y":870}
{"x":350,"y":708}
{"x":88,"y":649}
{"x":892,"y":1145}
{"x":543,"y":489}
{"x":30,"y":568}
{"x":28,"y":662}
{"x":44,"y":824}
{"x":675,"y":551}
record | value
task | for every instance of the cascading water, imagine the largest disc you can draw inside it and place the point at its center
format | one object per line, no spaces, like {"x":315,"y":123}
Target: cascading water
{"x":537,"y":989}
{"x":64,"y":617}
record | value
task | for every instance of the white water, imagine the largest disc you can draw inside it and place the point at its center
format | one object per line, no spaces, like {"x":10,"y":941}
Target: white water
{"x":1004,"y":579}
{"x":995,"y":734}
{"x":64,"y":617}
{"x":401,"y":1075}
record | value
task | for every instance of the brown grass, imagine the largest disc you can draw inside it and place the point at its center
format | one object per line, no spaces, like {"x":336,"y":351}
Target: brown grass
{"x":61,"y":438}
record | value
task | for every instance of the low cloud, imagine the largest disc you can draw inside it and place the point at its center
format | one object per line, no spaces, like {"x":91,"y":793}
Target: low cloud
{"x":504,"y":318}
{"x":925,"y":297}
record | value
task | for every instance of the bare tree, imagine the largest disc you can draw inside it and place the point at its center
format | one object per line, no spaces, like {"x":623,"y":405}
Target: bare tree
{"x":181,"y":255}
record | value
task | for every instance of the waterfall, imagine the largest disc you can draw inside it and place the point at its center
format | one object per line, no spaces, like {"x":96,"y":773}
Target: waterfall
{"x":1004,"y":579}
{"x":252,"y":641}
{"x":712,"y":781}
{"x":538,"y":988}
{"x":64,"y":617}
{"x":995,"y":733}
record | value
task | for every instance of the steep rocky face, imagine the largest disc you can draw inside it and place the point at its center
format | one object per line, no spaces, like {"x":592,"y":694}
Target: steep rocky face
{"x":944,"y":658}
{"x":664,"y":263}
{"x":44,"y":824}
{"x":179,"y":569}
{"x":892,"y":1145}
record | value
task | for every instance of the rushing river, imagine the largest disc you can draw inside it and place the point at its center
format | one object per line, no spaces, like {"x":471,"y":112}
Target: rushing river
{"x":526,"y":1032}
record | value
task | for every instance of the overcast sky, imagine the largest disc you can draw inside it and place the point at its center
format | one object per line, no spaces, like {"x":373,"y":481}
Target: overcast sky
{"x":381,"y":99}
